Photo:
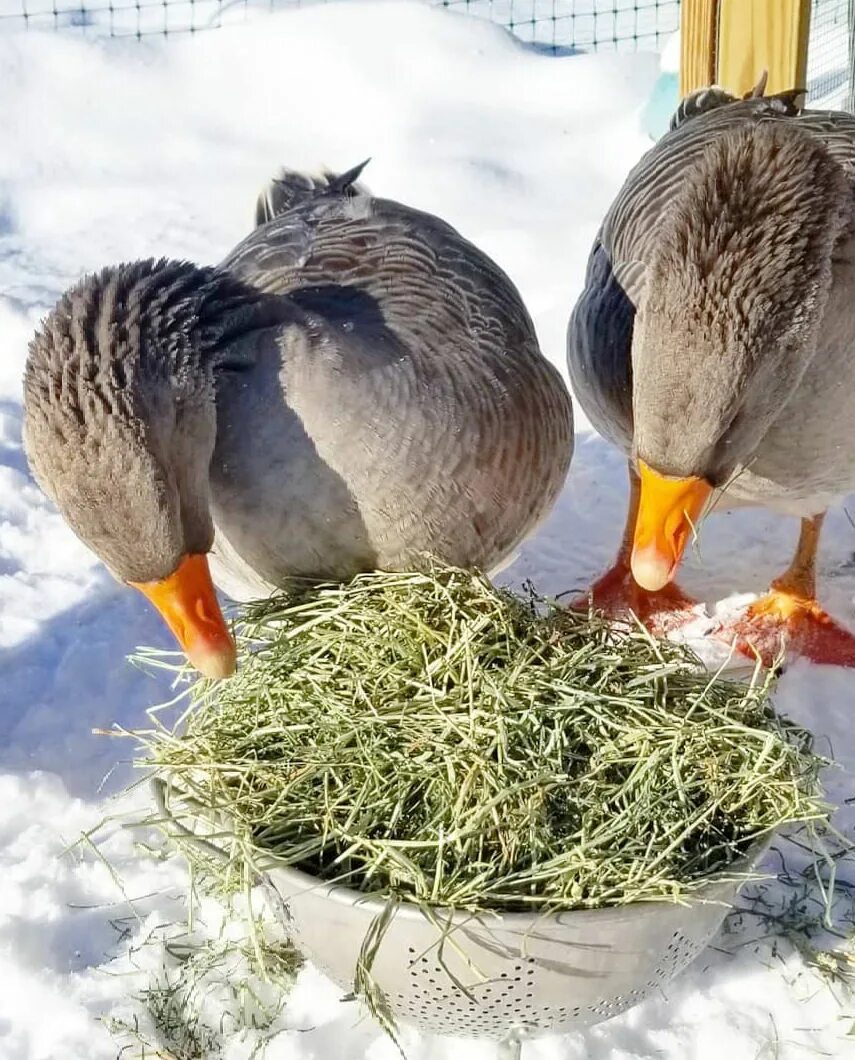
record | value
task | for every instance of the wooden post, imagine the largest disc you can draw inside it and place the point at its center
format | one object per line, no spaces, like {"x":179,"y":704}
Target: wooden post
{"x":698,"y":31}
{"x":758,"y":35}
{"x":731,"y":43}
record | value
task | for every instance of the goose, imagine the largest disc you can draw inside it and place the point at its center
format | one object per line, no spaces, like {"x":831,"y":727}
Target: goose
{"x":354,"y":387}
{"x":714,"y":344}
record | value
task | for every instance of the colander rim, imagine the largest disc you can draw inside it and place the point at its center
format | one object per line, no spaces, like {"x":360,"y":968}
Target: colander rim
{"x":717,"y":891}
{"x":720,"y":891}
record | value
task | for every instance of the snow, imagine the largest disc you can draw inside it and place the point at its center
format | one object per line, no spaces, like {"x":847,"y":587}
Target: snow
{"x":670,"y":59}
{"x":118,"y":149}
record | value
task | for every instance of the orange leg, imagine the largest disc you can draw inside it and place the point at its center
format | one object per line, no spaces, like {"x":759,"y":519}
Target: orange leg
{"x":618,"y":596}
{"x":789,"y":615}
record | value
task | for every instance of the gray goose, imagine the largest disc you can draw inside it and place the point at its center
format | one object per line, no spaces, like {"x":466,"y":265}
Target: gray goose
{"x":714,"y":343}
{"x":355,"y":386}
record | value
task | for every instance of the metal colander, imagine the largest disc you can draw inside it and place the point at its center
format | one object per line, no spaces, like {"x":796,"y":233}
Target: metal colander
{"x":506,"y":976}
{"x":524,"y":974}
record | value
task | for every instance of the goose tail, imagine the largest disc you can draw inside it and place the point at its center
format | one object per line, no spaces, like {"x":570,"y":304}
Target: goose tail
{"x":789,"y":103}
{"x":290,"y":188}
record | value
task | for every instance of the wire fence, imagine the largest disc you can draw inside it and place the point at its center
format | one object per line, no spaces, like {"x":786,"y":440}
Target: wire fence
{"x":831,"y":62}
{"x":570,"y":25}
{"x":557,"y":26}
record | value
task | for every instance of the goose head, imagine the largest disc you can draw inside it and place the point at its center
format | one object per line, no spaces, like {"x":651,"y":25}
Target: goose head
{"x":734,"y":295}
{"x":119,"y":430}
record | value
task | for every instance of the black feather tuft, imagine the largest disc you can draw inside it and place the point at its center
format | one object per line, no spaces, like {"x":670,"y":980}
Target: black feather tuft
{"x":290,"y":189}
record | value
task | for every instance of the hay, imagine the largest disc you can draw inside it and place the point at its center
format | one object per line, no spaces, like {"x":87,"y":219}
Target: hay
{"x":430,"y":737}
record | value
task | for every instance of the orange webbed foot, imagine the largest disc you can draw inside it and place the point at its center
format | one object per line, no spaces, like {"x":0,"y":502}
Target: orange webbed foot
{"x":785,"y":620}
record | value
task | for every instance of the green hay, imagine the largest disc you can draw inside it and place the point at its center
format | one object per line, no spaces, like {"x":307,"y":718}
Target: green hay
{"x":429,"y":737}
{"x":207,"y":994}
{"x":807,"y":905}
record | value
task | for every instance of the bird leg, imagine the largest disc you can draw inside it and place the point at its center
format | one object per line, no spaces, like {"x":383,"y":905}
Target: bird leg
{"x":617,"y":594}
{"x":789,"y":615}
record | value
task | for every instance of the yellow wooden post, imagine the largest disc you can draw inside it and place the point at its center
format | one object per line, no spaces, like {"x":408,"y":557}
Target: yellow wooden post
{"x":758,"y":35}
{"x":698,"y":30}
{"x":731,"y":43}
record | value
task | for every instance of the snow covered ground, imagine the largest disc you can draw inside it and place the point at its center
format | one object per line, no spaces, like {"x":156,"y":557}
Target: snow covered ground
{"x":118,"y":149}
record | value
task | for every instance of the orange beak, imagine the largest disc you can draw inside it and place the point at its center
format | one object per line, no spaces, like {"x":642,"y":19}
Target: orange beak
{"x":188,"y":604}
{"x":668,"y":510}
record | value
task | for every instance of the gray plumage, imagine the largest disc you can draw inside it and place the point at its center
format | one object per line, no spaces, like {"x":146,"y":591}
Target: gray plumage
{"x":715,"y":335}
{"x":355,"y":385}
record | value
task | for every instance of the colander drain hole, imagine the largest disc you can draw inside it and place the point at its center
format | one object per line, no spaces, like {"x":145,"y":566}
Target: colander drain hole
{"x":509,"y":999}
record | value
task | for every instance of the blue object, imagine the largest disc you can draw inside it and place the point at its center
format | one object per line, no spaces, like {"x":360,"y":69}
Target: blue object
{"x":661,"y":105}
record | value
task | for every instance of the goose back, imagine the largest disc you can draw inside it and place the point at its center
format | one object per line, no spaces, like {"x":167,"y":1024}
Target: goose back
{"x":599,"y":341}
{"x":414,"y":411}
